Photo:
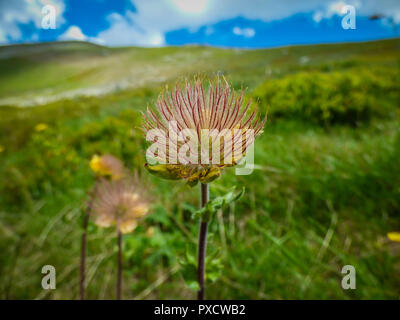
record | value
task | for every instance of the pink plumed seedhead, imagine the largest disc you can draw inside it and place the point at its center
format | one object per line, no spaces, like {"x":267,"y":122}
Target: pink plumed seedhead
{"x":121,"y":203}
{"x":214,"y":120}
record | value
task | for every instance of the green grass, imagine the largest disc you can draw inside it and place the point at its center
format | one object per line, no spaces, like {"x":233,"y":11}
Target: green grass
{"x":322,"y":195}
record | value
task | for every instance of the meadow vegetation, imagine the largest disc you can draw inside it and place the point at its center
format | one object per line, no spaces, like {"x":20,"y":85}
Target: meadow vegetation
{"x":324,"y":193}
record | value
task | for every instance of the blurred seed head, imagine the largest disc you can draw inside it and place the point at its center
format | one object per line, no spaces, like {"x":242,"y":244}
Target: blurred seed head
{"x":122,"y":203}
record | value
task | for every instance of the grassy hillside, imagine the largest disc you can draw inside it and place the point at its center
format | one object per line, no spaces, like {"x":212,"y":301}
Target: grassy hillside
{"x":324,"y":194}
{"x":38,"y":73}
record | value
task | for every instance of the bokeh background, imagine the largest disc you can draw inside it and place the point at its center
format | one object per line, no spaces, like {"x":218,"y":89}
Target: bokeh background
{"x":326,"y":188}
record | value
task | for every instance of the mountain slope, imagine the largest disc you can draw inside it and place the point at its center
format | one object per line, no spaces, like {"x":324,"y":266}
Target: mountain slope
{"x":39,"y":73}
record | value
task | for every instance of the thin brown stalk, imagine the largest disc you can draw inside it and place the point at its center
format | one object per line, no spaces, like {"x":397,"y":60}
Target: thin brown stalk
{"x":202,"y":244}
{"x":119,"y":280}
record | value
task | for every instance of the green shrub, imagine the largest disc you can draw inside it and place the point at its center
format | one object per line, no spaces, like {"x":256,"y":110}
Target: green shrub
{"x":348,"y":97}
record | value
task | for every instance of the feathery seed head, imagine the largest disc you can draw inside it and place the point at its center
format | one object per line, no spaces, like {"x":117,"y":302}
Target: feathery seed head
{"x":199,"y":130}
{"x":121,"y":203}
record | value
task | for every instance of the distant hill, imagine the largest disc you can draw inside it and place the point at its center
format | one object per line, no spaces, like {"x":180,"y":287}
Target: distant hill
{"x":32,"y":74}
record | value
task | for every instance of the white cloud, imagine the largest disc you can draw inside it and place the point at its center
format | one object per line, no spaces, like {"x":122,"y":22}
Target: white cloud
{"x":191,"y":6}
{"x":245,"y":32}
{"x":153,"y":18}
{"x":124,"y":31}
{"x":75,"y":33}
{"x":147,"y":25}
{"x":333,"y":8}
{"x":389,"y":8}
{"x":17,"y":12}
{"x":318,"y":16}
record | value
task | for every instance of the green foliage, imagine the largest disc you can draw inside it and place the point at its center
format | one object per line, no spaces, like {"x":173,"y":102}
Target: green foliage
{"x":349,"y":97}
{"x":60,"y":154}
{"x":317,"y":200}
{"x":206,"y":213}
{"x":213,"y":264}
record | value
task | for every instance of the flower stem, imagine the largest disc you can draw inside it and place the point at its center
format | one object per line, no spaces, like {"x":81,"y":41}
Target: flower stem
{"x":119,"y":280}
{"x":202,"y":244}
{"x":83,"y":254}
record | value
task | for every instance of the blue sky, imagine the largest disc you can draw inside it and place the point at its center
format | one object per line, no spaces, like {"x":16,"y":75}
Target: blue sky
{"x":226,"y":23}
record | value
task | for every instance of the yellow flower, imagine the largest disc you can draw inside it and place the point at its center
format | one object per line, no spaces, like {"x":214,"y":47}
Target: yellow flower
{"x":107,"y":166}
{"x":1,"y":148}
{"x":96,"y":166}
{"x":394,"y":236}
{"x":41,"y":127}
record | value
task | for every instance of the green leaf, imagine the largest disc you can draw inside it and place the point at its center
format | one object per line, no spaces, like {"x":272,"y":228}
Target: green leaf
{"x":189,"y":268}
{"x":217,"y":203}
{"x":193,"y":285}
